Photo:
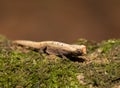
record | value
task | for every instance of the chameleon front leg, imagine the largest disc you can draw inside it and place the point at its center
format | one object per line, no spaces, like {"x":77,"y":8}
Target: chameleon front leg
{"x":43,"y":50}
{"x":56,"y":51}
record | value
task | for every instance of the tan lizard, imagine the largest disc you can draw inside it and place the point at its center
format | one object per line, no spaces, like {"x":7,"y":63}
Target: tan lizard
{"x":54,"y":47}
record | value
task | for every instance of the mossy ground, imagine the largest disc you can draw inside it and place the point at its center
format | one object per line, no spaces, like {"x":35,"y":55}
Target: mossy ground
{"x":24,"y":68}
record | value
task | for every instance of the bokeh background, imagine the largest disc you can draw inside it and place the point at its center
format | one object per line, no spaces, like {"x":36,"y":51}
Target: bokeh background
{"x":60,"y":20}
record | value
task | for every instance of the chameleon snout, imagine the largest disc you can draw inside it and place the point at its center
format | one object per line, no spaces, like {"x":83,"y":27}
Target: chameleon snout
{"x":83,"y":49}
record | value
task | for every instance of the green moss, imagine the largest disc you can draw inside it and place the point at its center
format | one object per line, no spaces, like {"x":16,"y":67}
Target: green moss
{"x":25,"y":68}
{"x":106,"y":46}
{"x":34,"y":70}
{"x":102,"y":75}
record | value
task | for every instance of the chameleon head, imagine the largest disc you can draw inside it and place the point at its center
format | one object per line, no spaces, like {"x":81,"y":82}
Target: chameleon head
{"x":83,"y":49}
{"x":80,"y":49}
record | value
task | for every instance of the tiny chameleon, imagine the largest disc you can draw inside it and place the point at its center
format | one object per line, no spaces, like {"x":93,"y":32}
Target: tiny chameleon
{"x":54,"y":48}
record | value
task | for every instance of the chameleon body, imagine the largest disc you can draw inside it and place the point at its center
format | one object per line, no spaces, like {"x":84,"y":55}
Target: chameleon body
{"x":54,"y":47}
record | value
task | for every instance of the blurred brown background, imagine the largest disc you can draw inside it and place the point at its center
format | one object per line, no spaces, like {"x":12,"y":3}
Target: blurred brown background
{"x":61,"y":20}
